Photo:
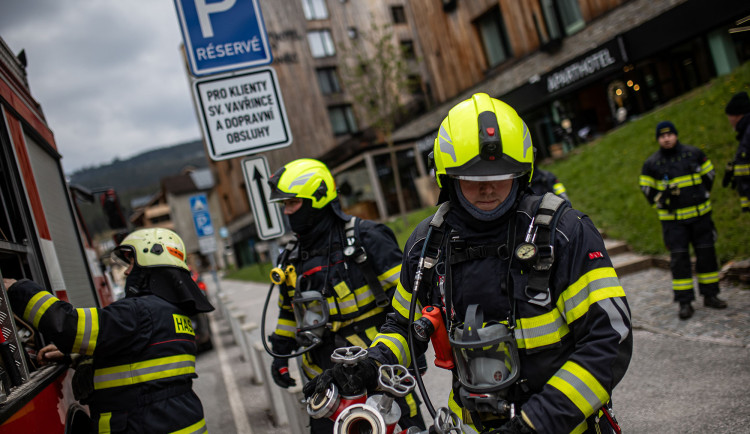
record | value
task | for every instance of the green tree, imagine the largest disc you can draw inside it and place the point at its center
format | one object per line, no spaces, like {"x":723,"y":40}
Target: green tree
{"x":376,"y":77}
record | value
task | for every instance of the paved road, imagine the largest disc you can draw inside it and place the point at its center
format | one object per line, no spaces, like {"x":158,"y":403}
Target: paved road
{"x":685,"y":376}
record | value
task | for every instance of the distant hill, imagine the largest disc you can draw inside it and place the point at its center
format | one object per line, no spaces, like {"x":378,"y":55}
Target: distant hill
{"x":143,"y":170}
{"x":137,"y":176}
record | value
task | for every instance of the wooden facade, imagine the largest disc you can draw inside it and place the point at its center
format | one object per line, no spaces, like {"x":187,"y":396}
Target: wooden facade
{"x":453,"y":49}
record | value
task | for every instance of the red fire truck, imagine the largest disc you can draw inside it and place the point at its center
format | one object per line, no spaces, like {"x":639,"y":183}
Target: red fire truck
{"x":42,"y":238}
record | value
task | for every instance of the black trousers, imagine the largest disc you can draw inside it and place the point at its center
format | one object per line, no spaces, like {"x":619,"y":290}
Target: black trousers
{"x":701,"y":233}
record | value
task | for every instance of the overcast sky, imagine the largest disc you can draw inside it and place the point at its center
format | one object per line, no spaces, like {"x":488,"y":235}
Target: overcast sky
{"x":108,"y":74}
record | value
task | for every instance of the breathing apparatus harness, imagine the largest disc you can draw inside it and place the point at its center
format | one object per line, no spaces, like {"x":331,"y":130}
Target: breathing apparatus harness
{"x":536,"y":252}
{"x":311,"y":323}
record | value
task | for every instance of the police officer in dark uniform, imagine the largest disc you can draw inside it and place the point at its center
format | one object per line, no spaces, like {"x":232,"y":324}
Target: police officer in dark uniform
{"x":677,"y":180}
{"x":536,"y":319}
{"x":143,"y":346}
{"x":544,"y":181}
{"x":340,"y":275}
{"x":738,"y":171}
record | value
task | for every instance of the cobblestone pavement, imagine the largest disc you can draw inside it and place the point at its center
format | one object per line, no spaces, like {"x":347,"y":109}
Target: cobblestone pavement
{"x":649,"y":294}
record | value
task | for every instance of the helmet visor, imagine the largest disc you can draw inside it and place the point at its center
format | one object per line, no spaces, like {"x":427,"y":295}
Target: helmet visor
{"x":489,"y":178}
{"x":123,"y":256}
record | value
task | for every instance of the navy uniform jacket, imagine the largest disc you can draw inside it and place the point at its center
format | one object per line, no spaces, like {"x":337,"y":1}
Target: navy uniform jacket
{"x":682,"y":173}
{"x":742,"y":161}
{"x":572,"y":352}
{"x":320,"y":266}
{"x":143,"y":352}
{"x":354,"y":316}
{"x":543,"y":181}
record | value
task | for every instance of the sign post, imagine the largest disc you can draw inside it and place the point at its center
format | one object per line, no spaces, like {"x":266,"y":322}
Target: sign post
{"x":206,"y":240}
{"x":268,"y":220}
{"x":223,"y":35}
{"x":242,"y":114}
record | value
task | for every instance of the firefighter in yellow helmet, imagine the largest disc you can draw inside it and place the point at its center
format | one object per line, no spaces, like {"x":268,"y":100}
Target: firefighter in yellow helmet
{"x":537,"y":327}
{"x":341,"y":273}
{"x":143,"y":349}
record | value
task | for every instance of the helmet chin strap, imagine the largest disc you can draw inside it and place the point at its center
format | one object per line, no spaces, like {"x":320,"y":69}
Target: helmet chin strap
{"x":486,"y":216}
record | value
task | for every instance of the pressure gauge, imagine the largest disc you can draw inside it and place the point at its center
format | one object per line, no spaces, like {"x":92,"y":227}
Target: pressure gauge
{"x":526,"y":251}
{"x":349,"y":250}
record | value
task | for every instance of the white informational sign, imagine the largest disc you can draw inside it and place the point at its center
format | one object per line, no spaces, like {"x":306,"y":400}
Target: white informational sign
{"x":207,"y":245}
{"x":242,"y":114}
{"x":268,"y":218}
{"x":223,"y":35}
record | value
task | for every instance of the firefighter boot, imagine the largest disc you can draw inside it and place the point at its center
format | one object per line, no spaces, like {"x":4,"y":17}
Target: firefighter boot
{"x":714,"y":302}
{"x":686,"y":310}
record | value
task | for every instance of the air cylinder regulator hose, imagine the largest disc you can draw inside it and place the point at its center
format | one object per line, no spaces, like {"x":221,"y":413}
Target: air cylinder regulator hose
{"x":410,"y":335}
{"x":277,"y":275}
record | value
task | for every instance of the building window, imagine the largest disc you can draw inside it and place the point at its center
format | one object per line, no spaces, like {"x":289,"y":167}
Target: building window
{"x":414,"y":84}
{"x":399,"y":15}
{"x":491,"y":29}
{"x":551,"y":20}
{"x":562,"y":13}
{"x":352,"y":32}
{"x":570,"y":14}
{"x":321,"y":43}
{"x":342,"y":120}
{"x":328,"y":80}
{"x":407,"y":49}
{"x":315,"y":9}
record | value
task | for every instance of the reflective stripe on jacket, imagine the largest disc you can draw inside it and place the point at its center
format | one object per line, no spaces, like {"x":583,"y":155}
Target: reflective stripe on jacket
{"x":685,"y":175}
{"x":143,"y":352}
{"x":353,"y":313}
{"x":572,"y":351}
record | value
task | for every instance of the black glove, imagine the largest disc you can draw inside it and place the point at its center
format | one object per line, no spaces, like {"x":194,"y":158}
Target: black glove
{"x":351,"y":380}
{"x":516,"y":426}
{"x":280,"y":374}
{"x":728,"y":176}
{"x":83,"y":380}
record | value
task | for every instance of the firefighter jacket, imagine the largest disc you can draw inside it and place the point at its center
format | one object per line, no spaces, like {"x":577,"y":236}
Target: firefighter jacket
{"x":677,"y":182}
{"x":143,"y":352}
{"x":321,"y":265}
{"x":742,"y":162}
{"x":543,"y":181}
{"x":573,"y":351}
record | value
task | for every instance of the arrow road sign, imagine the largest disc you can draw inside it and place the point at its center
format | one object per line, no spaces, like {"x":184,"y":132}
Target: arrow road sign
{"x":268,"y":219}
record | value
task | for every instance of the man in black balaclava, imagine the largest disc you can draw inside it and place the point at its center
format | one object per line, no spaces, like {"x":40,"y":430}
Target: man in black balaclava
{"x":345,"y":271}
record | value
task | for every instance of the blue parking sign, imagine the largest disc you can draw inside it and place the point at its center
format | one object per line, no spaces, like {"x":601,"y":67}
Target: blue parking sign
{"x":223,"y":35}
{"x":201,"y":215}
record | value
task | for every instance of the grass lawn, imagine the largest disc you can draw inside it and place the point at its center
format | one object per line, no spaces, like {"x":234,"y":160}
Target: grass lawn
{"x":602,"y":177}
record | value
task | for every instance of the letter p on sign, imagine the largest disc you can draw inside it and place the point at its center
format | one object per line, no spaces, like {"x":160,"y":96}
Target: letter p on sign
{"x":205,"y":10}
